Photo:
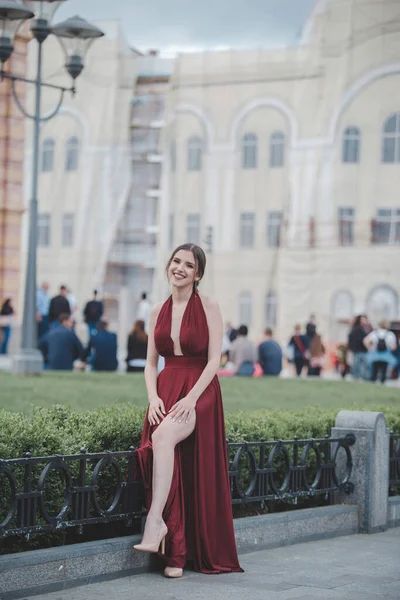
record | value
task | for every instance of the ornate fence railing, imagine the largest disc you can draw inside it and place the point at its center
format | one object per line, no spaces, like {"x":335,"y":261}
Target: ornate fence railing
{"x":57,"y":492}
{"x":287,"y":470}
{"x":53,"y":493}
{"x":394,"y":463}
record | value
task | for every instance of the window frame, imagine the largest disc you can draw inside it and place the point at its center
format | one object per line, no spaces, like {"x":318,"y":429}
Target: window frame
{"x":346,"y":225}
{"x":245,"y":243}
{"x":47,"y":155}
{"x":387,"y":227}
{"x":67,"y":240}
{"x":391,"y":136}
{"x":249,"y":151}
{"x":72,"y":153}
{"x":195,"y":148}
{"x":271,"y":305}
{"x":44,"y":230}
{"x":196,"y":226}
{"x":245,"y":303}
{"x":274,"y":228}
{"x":277,"y":146}
{"x":351,"y":145}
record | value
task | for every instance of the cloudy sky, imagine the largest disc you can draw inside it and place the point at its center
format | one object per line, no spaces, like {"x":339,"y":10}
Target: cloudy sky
{"x":187,"y":24}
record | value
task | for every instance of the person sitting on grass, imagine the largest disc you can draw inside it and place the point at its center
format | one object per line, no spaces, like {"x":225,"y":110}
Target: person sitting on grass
{"x":270,"y":355}
{"x":102,"y":348}
{"x":243,"y":353}
{"x":60,"y":346}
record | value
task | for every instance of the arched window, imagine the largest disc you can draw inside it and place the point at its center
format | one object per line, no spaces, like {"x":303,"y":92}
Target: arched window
{"x":277,"y":149}
{"x":382,"y":303}
{"x":172,"y":155}
{"x":245,"y":308}
{"x":194,"y":153}
{"x":342,"y":313}
{"x":72,"y":154}
{"x":249,"y":151}
{"x":48,"y":147}
{"x":270,"y":309}
{"x":351,"y":145}
{"x":391,"y":139}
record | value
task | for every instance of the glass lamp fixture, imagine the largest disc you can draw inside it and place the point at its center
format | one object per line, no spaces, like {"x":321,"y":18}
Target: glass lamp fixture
{"x":76,"y":36}
{"x":43,"y":9}
{"x":12,"y":15}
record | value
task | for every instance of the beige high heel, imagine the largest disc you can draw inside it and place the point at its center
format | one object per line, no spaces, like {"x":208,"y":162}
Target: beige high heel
{"x":173,"y":572}
{"x":156,"y":546}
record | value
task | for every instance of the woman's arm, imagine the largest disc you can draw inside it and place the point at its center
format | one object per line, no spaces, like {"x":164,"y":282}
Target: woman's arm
{"x":215,"y":328}
{"x":151,"y":370}
{"x":156,"y":406}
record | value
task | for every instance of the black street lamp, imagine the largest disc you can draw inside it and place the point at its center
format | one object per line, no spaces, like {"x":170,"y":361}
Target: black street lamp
{"x":76,"y":36}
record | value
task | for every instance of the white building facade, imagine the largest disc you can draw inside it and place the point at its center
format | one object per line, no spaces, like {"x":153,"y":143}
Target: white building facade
{"x":285,"y":164}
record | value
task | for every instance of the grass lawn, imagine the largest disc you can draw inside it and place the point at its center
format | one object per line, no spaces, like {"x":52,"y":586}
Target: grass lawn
{"x":87,"y":391}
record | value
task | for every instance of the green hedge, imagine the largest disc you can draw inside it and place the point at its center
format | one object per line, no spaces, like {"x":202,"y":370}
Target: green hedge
{"x":59,"y":430}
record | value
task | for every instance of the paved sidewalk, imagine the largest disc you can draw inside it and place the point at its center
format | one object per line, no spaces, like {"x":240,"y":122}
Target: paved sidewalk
{"x":359,"y":567}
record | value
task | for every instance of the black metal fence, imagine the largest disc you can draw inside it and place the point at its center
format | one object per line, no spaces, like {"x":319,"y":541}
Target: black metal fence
{"x":57,"y":492}
{"x":53,"y":493}
{"x":287,"y":470}
{"x":394,"y":463}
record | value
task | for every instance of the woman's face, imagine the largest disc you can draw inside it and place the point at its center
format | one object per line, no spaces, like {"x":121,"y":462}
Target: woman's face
{"x":182,"y":270}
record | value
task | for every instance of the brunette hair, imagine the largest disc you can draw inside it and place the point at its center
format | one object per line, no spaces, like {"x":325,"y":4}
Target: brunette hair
{"x":199,"y":258}
{"x":138,"y":331}
{"x":63,"y":318}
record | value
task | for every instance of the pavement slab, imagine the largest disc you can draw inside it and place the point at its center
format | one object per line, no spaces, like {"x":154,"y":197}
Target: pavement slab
{"x":360,"y":567}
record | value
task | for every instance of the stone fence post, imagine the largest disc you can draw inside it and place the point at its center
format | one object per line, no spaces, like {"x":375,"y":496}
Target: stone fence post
{"x":370,"y":474}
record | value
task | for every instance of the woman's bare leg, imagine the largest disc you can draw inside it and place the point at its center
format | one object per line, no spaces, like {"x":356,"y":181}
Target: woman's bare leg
{"x":167,"y":435}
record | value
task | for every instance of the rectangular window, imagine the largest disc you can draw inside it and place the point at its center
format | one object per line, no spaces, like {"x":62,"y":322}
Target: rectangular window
{"x":274,"y":222}
{"x":346,"y":226}
{"x":247,"y":220}
{"x":43,"y":230}
{"x":386,"y":227}
{"x":193,"y":228}
{"x":68,"y":230}
{"x":171,"y":223}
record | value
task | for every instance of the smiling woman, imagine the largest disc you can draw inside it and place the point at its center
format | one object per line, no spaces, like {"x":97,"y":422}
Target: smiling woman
{"x":182,"y":454}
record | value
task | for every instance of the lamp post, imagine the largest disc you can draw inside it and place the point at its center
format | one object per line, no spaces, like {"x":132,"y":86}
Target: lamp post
{"x":76,"y":36}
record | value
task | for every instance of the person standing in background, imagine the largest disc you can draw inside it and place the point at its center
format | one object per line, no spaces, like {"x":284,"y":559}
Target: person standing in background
{"x":355,"y":344}
{"x":137,"y":348}
{"x":74,"y":306}
{"x":381,"y":344}
{"x":300,"y":344}
{"x":143,"y":313}
{"x":6,"y":314}
{"x":59,"y":305}
{"x":311,"y":327}
{"x":317,"y":351}
{"x":42,"y":309}
{"x":92,"y":313}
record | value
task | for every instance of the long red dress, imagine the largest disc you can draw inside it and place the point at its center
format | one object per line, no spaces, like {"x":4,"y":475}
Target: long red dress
{"x":198,"y":512}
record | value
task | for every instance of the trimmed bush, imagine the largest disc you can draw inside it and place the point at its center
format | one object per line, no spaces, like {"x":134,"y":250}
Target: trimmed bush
{"x":60,"y":430}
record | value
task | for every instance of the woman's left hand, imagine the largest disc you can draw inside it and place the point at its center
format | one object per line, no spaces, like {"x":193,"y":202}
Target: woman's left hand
{"x":183,"y":409}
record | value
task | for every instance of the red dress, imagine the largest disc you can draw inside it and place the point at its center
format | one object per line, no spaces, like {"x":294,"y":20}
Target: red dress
{"x":198,"y":512}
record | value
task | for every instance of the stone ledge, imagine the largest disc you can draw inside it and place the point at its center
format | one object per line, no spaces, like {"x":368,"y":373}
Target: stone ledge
{"x":53,"y":569}
{"x":394,"y":511}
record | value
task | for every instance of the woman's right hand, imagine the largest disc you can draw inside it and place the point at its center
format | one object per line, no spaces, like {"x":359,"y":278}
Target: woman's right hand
{"x":156,"y":411}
